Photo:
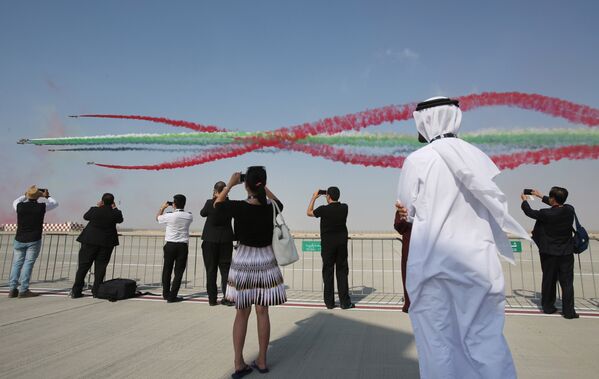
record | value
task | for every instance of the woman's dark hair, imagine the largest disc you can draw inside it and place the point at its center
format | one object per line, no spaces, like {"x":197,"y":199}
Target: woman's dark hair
{"x":255,"y":179}
{"x":108,"y":199}
{"x":219,"y":187}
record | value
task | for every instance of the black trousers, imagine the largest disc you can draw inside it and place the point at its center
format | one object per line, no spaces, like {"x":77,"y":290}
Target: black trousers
{"x":557,"y":268}
{"x":88,"y":255}
{"x":217,"y":255}
{"x":334,"y":258}
{"x":175,"y":254}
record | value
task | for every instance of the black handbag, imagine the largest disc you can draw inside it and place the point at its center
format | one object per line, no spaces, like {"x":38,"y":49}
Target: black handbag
{"x":117,"y":289}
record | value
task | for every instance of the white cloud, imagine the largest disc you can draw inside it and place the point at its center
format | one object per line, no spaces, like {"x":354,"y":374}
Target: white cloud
{"x":404,"y":55}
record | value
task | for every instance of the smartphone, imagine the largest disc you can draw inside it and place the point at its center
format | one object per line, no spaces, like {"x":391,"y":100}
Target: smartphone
{"x":169,"y":203}
{"x":242,"y":178}
{"x":528,"y":191}
{"x":322,"y":192}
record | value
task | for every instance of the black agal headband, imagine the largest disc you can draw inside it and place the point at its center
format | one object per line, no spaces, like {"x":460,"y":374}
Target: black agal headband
{"x":436,"y":103}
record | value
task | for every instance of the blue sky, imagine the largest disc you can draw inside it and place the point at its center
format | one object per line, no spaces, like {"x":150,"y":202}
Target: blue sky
{"x":261,"y":65}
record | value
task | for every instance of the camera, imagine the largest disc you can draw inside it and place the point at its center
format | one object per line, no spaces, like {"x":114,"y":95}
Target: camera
{"x":169,"y":203}
{"x":528,"y":191}
{"x":42,"y":189}
{"x":241,"y":178}
{"x":322,"y":192}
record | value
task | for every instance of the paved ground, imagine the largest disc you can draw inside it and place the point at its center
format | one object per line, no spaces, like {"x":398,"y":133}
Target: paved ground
{"x":53,"y":336}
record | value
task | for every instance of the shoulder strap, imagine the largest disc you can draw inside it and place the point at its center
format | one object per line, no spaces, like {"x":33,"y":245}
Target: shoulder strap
{"x":275,"y":211}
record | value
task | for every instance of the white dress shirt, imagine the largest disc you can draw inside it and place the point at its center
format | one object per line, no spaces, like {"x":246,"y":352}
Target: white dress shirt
{"x":50,"y":202}
{"x":177,"y":225}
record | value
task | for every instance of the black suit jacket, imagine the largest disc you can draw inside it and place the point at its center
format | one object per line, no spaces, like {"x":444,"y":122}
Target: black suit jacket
{"x":218,"y":225}
{"x":553,"y":229}
{"x":101,"y":228}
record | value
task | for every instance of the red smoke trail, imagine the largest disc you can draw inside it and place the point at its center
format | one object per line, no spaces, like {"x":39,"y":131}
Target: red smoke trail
{"x":576,"y":113}
{"x":160,"y":120}
{"x":545,"y":156}
{"x":208,"y":156}
{"x":340,"y":155}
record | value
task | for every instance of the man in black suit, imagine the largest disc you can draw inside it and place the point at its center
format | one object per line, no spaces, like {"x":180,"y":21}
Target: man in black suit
{"x":98,"y":239}
{"x":217,"y":246}
{"x":552,"y":234}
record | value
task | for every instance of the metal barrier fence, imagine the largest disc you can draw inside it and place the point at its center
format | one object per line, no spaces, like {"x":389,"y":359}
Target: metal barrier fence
{"x":375,"y":265}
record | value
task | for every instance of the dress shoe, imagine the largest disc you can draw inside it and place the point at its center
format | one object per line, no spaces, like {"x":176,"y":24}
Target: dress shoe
{"x":75,"y":295}
{"x":13,"y":292}
{"x":331,"y":306}
{"x":348,"y":306}
{"x":571,"y":316}
{"x":28,"y":294}
{"x":212,"y":303}
{"x":549,"y":311}
{"x":175,"y":300}
{"x":226,"y":302}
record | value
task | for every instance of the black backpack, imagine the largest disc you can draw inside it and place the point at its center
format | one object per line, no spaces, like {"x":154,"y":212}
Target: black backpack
{"x":117,"y":289}
{"x":581,"y":237}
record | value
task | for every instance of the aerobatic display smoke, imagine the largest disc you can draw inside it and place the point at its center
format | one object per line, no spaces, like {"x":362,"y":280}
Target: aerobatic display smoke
{"x":339,"y":138}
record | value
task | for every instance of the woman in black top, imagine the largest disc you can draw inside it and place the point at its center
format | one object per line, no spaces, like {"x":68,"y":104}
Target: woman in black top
{"x":217,"y":247}
{"x":254,"y":277}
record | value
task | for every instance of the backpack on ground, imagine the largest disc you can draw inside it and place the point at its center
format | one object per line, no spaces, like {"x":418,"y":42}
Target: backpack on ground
{"x":117,"y":289}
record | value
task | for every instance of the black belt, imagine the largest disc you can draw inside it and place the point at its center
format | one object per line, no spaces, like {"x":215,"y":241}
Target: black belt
{"x":446,"y":135}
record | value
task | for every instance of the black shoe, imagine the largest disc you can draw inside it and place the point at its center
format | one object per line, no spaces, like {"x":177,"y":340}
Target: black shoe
{"x":175,"y":300}
{"x":571,"y":316}
{"x":260,"y":370}
{"x":212,"y":303}
{"x":348,"y":306}
{"x":28,"y":294}
{"x":331,"y":306}
{"x":549,"y":311}
{"x":13,"y":293}
{"x":226,"y":302}
{"x":75,"y":295}
{"x":241,"y":373}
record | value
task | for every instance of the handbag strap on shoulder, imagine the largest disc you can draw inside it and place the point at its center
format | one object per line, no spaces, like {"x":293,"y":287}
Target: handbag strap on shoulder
{"x":275,"y":211}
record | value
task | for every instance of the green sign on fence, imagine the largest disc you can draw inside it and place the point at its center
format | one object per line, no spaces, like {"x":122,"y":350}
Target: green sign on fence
{"x":516,"y":246}
{"x":311,"y":246}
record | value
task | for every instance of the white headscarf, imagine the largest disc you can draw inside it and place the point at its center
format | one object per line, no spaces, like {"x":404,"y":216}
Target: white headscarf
{"x":473,"y":168}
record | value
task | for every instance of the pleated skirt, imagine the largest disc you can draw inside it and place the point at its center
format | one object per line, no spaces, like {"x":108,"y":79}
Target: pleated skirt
{"x":255,"y":278}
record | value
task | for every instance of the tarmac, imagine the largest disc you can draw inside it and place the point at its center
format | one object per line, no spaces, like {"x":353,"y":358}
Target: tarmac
{"x":53,"y":336}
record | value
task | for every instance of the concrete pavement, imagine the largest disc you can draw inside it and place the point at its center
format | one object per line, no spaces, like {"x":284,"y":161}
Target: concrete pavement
{"x":57,"y":337}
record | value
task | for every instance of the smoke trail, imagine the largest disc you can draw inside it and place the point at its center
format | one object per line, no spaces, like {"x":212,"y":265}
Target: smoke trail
{"x":278,"y":138}
{"x":160,"y":120}
{"x":209,"y":156}
{"x":546,"y":156}
{"x":130,"y":148}
{"x":553,"y":106}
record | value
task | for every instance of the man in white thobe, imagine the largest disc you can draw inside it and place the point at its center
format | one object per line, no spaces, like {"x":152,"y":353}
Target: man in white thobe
{"x":459,"y":223}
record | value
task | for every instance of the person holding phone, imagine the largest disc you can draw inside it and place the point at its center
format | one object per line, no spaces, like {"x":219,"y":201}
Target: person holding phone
{"x":333,"y":241}
{"x":254,"y":277}
{"x":31,"y":209}
{"x":98,"y":239}
{"x":176,"y":247}
{"x":217,"y":247}
{"x":552,"y":234}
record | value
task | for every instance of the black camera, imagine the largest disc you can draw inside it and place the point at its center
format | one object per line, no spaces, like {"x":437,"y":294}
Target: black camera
{"x":322,"y":192}
{"x":528,"y":191}
{"x":42,"y":189}
{"x":169,"y":203}
{"x":241,"y":178}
